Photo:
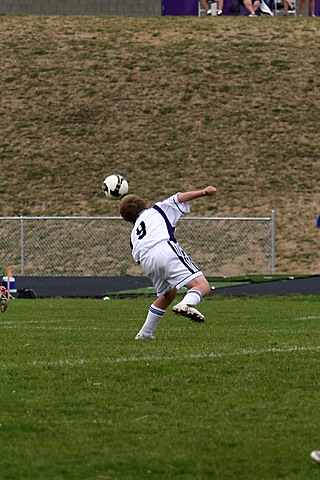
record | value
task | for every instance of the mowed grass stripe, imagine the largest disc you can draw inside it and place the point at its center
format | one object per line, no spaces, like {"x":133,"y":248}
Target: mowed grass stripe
{"x":156,"y":358}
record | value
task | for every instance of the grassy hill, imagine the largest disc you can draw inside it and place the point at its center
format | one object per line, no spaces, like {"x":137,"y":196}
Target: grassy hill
{"x":173,"y":104}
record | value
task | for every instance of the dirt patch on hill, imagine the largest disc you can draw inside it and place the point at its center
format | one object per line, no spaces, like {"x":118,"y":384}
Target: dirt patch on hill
{"x":173,"y":104}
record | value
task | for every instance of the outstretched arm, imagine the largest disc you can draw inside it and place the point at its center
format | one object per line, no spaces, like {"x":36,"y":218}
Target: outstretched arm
{"x":188,"y":196}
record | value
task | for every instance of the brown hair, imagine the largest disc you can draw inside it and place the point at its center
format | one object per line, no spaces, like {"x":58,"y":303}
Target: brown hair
{"x":131,"y":206}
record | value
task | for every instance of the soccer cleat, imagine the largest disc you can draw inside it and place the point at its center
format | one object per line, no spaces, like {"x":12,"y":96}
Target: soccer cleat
{"x":315,"y":455}
{"x":188,"y":311}
{"x":140,"y":336}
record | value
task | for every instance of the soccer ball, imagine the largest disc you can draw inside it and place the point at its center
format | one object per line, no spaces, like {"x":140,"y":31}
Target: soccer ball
{"x":115,"y":187}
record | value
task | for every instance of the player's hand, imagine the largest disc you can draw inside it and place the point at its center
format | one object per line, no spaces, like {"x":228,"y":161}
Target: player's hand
{"x":209,"y":191}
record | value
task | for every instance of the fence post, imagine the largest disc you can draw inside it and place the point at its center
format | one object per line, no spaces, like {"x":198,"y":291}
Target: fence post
{"x":22,"y":244}
{"x":273,"y":242}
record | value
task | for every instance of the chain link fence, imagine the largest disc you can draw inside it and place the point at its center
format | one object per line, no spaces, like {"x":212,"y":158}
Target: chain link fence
{"x":99,"y":246}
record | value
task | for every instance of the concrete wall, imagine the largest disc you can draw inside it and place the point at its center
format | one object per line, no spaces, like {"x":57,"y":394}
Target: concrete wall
{"x":81,"y":7}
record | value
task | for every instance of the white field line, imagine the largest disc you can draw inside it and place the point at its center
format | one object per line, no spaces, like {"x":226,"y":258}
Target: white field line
{"x":17,"y":323}
{"x":46,"y":323}
{"x":91,"y":328}
{"x":155,"y":358}
{"x":71,"y":328}
{"x":312,"y":317}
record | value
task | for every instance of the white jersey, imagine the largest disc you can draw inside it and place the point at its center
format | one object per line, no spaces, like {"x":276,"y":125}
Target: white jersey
{"x":156,"y":225}
{"x":156,"y":249}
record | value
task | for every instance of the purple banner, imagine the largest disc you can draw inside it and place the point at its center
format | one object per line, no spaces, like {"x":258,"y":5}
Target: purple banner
{"x":190,"y":7}
{"x":179,"y":7}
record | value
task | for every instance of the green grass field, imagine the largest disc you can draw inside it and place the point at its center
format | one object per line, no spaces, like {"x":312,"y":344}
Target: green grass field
{"x":235,"y":398}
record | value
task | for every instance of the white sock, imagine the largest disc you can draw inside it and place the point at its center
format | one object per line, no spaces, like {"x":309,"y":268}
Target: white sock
{"x":192,"y":297}
{"x":153,"y":318}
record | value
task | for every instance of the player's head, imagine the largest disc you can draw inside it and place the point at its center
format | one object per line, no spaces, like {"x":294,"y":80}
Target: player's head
{"x":131,"y":206}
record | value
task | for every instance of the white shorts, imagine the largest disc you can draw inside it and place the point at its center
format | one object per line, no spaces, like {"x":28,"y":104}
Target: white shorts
{"x":168,"y":266}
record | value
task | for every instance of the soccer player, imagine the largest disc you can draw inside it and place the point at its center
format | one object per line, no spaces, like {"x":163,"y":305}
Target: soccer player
{"x":156,"y":249}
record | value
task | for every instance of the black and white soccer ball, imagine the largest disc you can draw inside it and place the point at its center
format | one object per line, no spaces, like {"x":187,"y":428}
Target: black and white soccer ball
{"x":115,"y":187}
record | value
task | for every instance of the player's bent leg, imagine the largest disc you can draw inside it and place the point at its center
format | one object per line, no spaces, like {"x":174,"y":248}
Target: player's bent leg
{"x":198,"y":288}
{"x":201,"y":284}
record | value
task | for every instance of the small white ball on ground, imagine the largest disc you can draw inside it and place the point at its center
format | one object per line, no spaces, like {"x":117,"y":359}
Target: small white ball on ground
{"x":315,"y":455}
